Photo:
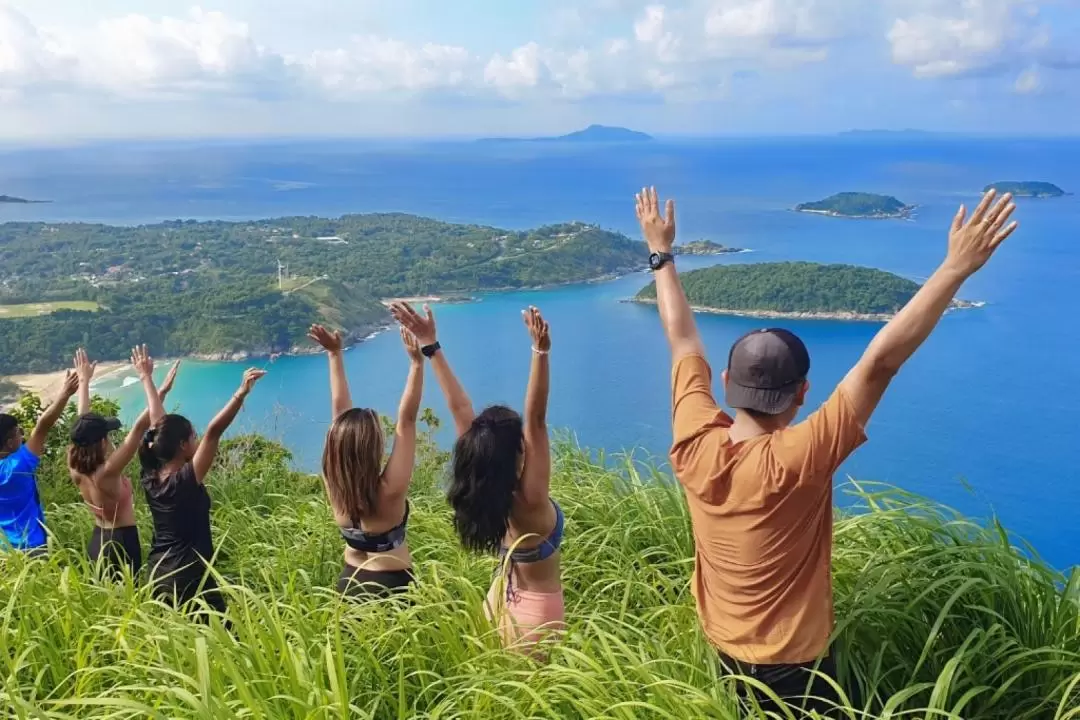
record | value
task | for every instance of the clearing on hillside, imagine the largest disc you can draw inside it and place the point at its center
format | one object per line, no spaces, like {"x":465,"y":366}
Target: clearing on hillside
{"x":46,"y":308}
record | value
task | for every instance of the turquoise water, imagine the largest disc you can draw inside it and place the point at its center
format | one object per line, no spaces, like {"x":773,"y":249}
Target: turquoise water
{"x":982,"y":418}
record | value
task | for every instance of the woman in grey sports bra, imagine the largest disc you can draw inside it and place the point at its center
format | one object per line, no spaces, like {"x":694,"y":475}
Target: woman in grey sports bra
{"x":369,"y":500}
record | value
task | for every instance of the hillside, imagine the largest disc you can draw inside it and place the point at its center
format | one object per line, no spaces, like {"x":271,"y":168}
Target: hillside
{"x":794,"y":289}
{"x":703,"y":247}
{"x":858,"y":205}
{"x":212,"y":288}
{"x":937,"y":616}
{"x":1027,"y":189}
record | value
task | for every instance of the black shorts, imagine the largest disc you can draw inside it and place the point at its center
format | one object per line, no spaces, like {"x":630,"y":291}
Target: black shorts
{"x":118,"y":548}
{"x":796,"y":684}
{"x":372,"y":584}
{"x":179,"y":587}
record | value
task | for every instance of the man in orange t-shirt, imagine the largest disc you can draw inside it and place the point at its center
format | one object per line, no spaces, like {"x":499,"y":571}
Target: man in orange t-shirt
{"x":758,"y":486}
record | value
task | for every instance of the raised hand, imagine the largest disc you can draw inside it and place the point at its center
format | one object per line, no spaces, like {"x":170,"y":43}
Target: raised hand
{"x":70,"y":386}
{"x":974,"y":240}
{"x":329,"y":341}
{"x":423,"y":327}
{"x":412,"y":345}
{"x":251,"y":376}
{"x":538,"y":328}
{"x":84,"y":368}
{"x":170,"y":380}
{"x":142,"y":362}
{"x":659,"y":231}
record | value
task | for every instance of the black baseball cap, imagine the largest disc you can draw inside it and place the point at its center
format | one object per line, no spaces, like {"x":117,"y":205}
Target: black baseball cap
{"x":766,"y":368}
{"x":92,"y":428}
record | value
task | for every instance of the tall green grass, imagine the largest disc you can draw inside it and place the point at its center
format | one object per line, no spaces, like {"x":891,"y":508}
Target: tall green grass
{"x":937,"y":617}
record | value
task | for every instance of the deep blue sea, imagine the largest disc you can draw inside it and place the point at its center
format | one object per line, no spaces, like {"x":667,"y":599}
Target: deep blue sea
{"x":981,"y":419}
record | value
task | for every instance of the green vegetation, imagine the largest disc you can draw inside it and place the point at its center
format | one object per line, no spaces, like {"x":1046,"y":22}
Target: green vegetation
{"x":858,"y":205}
{"x":211,"y":288}
{"x":794,"y":288}
{"x":44,"y":308}
{"x":703,"y":247}
{"x":937,"y":617}
{"x":1027,"y":189}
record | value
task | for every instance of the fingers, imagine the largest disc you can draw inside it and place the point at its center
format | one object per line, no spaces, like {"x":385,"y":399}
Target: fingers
{"x":654,"y":202}
{"x":998,"y":210}
{"x":958,"y":219}
{"x":638,"y":205}
{"x":1001,"y":217}
{"x":1000,"y":238}
{"x":430,"y":315}
{"x":669,"y":212}
{"x":980,"y":211}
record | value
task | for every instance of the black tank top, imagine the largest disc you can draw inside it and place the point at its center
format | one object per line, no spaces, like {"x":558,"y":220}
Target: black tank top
{"x":180,"y":507}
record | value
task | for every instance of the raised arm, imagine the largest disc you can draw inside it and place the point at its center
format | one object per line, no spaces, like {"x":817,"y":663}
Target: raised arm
{"x":123,"y":454}
{"x":340,"y":400}
{"x":208,"y":445}
{"x":423,"y":328}
{"x":399,"y":468}
{"x":85,"y":370}
{"x":45,"y":423}
{"x":144,"y":366}
{"x":971,"y":243}
{"x":675,"y":313}
{"x":536,"y":479}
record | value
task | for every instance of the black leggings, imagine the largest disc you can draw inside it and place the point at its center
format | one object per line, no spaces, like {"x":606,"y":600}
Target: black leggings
{"x":790,"y":683}
{"x":118,"y":548}
{"x":180,"y":587}
{"x":372,"y":584}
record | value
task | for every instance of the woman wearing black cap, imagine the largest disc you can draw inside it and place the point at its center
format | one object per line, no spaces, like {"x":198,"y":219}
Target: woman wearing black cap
{"x":97,"y":468}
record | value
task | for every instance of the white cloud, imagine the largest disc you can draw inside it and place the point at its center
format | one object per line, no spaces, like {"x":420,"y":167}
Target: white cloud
{"x":960,"y":37}
{"x":374,"y":64}
{"x":523,"y":69}
{"x":651,"y":31}
{"x":29,"y":58}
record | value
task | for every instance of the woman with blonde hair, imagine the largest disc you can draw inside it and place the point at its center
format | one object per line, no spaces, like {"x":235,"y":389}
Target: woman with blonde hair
{"x":369,"y":499}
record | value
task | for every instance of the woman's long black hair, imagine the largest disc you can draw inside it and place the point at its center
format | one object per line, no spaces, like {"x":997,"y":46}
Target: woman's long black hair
{"x":485,"y":477}
{"x":162,"y":442}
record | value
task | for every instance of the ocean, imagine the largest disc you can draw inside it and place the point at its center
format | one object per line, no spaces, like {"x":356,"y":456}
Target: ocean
{"x":981,"y":419}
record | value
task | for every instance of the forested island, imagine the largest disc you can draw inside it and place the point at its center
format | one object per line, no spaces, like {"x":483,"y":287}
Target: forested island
{"x":1029,"y":189}
{"x":234,"y":289}
{"x":591,"y":134}
{"x":858,"y":205}
{"x":703,"y":247}
{"x":795,"y":290}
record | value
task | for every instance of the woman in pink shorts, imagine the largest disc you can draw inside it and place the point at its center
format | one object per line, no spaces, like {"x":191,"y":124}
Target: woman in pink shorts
{"x":499,"y":491}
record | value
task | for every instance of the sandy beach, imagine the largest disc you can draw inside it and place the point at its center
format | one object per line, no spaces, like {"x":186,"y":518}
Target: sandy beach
{"x":46,"y":385}
{"x":418,"y":300}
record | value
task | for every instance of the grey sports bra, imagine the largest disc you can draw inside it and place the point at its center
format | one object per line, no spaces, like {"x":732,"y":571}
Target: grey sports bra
{"x":368,"y":542}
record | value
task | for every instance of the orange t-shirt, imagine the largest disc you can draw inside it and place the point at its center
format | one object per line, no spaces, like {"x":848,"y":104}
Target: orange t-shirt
{"x":762,"y":518}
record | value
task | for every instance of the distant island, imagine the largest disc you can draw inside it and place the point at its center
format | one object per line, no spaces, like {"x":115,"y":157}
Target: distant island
{"x":233,"y":290}
{"x":20,"y":201}
{"x":858,"y":205}
{"x":796,"y":290}
{"x":703,"y":247}
{"x":591,"y":134}
{"x":1029,"y":189}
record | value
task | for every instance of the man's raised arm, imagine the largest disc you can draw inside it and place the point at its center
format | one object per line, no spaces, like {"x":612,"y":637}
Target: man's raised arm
{"x":675,"y":313}
{"x":971,"y":244}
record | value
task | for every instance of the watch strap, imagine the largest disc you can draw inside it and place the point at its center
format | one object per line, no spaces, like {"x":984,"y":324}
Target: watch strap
{"x":430,"y":350}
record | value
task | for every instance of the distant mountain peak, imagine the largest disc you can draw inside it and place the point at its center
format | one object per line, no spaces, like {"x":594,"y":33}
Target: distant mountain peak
{"x":591,"y":134}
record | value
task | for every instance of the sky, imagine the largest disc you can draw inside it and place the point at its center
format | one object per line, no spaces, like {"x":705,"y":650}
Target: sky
{"x":74,"y":69}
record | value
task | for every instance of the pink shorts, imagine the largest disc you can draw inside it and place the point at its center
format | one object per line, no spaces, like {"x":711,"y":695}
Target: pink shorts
{"x":525,"y":618}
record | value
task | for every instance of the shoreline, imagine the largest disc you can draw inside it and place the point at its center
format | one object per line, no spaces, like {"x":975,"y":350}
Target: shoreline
{"x":905,"y":214}
{"x":783,"y":315}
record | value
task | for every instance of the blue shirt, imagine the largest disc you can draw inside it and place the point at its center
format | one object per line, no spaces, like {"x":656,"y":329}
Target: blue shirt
{"x":21,"y":516}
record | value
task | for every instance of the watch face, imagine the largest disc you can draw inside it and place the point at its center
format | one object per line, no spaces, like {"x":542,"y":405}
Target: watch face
{"x":654,"y":261}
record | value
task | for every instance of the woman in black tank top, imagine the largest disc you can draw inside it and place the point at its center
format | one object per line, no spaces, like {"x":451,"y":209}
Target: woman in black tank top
{"x":175,"y":463}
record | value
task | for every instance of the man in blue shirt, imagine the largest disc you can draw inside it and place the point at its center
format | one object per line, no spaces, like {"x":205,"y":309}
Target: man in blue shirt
{"x":21,"y":517}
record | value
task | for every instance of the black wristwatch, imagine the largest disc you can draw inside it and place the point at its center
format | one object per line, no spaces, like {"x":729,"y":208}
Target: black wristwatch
{"x":659,"y":259}
{"x":430,"y":350}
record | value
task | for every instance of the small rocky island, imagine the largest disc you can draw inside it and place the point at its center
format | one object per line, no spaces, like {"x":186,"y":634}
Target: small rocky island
{"x":703,"y":247}
{"x":591,"y":134}
{"x":800,"y":290}
{"x":858,"y":205}
{"x":19,"y":200}
{"x":1029,"y":189}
